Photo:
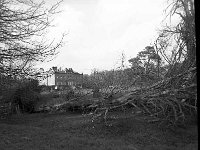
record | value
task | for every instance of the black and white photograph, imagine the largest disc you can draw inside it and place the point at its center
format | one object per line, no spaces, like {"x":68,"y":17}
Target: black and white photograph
{"x":98,"y":75}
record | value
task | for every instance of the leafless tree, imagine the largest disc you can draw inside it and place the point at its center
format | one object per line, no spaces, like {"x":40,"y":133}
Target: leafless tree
{"x":183,"y":35}
{"x":23,"y":26}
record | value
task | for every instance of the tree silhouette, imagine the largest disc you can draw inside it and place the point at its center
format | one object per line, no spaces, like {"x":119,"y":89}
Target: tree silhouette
{"x":23,"y":26}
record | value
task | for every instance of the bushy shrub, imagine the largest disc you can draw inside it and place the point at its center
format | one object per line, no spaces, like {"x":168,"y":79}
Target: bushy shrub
{"x":26,"y":95}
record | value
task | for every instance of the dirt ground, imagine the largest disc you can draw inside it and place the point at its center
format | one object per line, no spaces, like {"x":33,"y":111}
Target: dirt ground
{"x":68,"y":131}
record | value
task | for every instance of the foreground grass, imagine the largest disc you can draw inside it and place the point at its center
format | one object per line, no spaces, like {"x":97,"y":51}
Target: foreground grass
{"x":76,"y":132}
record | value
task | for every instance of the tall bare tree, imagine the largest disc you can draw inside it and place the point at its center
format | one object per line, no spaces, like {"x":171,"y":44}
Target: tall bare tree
{"x":23,"y":26}
{"x":183,"y":33}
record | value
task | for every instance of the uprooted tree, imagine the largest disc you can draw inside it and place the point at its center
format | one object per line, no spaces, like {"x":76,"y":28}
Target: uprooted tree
{"x":172,"y":99}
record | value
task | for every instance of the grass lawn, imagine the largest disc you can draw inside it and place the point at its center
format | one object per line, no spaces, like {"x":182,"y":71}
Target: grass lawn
{"x":68,"y":131}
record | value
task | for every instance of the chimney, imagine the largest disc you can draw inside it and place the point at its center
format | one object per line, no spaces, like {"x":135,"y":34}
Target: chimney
{"x":54,"y":69}
{"x":66,"y":70}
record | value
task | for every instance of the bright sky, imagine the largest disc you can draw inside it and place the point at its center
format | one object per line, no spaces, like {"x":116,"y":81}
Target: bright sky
{"x":100,"y":30}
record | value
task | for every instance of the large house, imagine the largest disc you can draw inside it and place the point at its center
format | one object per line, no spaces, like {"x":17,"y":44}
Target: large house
{"x":58,"y":77}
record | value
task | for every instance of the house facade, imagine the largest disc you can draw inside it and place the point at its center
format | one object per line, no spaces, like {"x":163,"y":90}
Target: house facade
{"x":58,"y":77}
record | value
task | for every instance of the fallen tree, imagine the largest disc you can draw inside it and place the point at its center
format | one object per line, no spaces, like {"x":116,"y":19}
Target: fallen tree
{"x":172,"y":100}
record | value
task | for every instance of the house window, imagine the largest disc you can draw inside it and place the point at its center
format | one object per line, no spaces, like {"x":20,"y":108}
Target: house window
{"x":70,"y":83}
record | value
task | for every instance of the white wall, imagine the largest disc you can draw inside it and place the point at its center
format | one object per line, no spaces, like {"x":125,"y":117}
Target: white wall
{"x":48,"y":81}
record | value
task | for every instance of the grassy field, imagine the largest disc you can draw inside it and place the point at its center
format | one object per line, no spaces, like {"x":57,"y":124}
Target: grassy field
{"x":70,"y":131}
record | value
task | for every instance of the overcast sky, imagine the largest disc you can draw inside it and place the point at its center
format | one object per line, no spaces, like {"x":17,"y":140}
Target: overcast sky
{"x":99,"y":31}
